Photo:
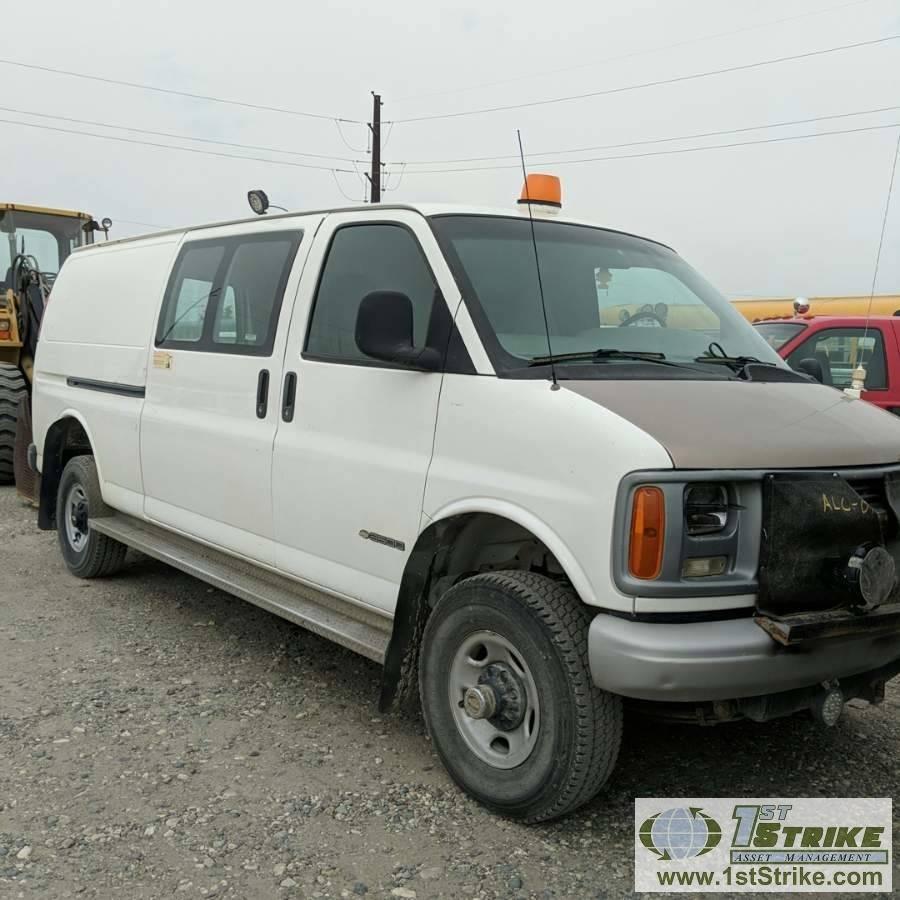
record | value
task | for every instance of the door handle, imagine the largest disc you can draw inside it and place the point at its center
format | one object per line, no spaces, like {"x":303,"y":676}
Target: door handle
{"x":262,"y":394}
{"x":288,"y":397}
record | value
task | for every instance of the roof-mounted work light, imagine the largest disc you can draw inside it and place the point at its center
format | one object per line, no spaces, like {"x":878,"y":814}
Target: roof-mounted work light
{"x":258,"y":201}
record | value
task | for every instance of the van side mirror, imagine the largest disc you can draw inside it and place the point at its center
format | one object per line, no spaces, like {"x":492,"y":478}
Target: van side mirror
{"x":384,"y":330}
{"x":811,"y":367}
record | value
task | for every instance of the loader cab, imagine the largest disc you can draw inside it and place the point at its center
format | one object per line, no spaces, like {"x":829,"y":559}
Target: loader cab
{"x":34,"y":244}
{"x":47,"y":236}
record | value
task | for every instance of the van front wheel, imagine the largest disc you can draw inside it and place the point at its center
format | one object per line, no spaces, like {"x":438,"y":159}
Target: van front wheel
{"x":88,"y":554}
{"x":508,"y":698}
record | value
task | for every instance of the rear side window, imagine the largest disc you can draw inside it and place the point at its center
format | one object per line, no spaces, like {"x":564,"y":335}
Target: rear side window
{"x":190,"y":293}
{"x":252,"y":286}
{"x":362,"y":259}
{"x":225,"y":295}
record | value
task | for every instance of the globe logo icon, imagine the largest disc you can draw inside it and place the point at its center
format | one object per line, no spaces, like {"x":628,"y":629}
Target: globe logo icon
{"x":680,"y":833}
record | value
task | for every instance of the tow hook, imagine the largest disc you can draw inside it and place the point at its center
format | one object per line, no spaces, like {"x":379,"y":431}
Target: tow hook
{"x":828,"y":704}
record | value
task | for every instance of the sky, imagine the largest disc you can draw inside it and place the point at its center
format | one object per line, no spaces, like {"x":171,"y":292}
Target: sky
{"x":785,"y":218}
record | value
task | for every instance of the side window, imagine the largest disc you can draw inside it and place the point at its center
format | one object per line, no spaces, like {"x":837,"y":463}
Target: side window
{"x":841,"y":350}
{"x":362,"y":259}
{"x":253,"y":284}
{"x":189,"y":294}
{"x":225,"y":331}
{"x":225,"y":295}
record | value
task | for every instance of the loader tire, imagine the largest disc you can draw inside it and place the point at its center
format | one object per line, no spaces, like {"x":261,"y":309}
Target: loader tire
{"x":12,"y":389}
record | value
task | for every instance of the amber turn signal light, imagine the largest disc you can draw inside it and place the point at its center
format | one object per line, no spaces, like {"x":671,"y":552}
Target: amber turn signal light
{"x":648,"y":520}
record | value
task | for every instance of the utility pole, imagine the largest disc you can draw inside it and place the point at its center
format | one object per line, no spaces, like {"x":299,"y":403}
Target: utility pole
{"x":375,"y":127}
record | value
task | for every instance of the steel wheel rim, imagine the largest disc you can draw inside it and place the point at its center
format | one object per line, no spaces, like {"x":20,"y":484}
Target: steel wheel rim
{"x":500,"y":748}
{"x":75,"y":513}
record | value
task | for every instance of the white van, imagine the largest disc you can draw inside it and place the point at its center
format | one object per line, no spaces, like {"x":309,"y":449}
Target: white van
{"x":528,"y":498}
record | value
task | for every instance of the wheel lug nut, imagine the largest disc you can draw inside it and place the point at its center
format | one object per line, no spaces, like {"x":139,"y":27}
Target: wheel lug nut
{"x":480,"y":702}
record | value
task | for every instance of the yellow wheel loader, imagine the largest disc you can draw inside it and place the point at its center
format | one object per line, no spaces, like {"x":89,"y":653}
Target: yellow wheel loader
{"x":34,"y":243}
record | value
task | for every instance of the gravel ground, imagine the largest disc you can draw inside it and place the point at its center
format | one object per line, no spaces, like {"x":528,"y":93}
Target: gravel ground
{"x":162,"y":739}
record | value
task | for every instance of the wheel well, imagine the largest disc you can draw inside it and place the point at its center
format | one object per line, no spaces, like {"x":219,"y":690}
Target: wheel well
{"x":445,"y":553}
{"x":65,"y":438}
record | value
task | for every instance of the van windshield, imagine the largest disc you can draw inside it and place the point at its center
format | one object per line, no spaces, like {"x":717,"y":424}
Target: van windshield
{"x":604,"y":291}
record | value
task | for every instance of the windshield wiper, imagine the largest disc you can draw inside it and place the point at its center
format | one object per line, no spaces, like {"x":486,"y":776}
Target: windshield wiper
{"x":716,"y":354}
{"x":601,"y":354}
{"x":737,"y":363}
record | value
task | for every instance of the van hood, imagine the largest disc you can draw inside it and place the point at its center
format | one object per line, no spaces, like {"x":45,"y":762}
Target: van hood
{"x":750,"y":424}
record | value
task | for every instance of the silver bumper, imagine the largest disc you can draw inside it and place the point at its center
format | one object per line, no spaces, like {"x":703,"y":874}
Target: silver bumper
{"x":721,"y":660}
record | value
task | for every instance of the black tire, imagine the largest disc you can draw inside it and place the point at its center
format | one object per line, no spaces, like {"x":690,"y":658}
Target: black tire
{"x":12,"y":389}
{"x":95,"y":554}
{"x":579,"y":728}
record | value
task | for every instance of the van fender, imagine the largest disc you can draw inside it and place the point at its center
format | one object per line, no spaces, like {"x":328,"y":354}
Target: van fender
{"x":80,"y":419}
{"x":530,"y":522}
{"x":52,"y":462}
{"x":400,"y":672}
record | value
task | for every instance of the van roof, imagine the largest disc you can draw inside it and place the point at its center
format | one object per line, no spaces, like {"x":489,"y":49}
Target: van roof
{"x":424,"y":209}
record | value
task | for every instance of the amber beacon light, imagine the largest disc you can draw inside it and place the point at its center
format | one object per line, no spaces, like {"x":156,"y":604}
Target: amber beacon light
{"x":542,"y":190}
{"x":648,"y":519}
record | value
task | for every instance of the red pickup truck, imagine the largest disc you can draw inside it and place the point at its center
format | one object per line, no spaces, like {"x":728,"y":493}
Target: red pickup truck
{"x":840,"y":344}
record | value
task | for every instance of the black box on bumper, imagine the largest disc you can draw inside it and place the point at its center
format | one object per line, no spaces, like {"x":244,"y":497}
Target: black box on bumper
{"x":829,"y":543}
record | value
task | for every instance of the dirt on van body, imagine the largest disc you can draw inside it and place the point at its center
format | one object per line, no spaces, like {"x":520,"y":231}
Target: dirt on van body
{"x":162,"y":739}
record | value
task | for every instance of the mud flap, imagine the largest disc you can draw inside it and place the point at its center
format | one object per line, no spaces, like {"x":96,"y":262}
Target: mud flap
{"x":26,"y":478}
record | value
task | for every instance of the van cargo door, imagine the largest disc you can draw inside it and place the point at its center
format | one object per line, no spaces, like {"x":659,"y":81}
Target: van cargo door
{"x":211,"y":407}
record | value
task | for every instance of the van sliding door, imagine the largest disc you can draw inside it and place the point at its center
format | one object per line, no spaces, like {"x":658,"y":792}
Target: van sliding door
{"x":211,"y":406}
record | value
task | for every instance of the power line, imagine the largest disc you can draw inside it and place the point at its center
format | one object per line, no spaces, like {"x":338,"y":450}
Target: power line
{"x":389,"y":174}
{"x":167,"y":134}
{"x":347,"y":144}
{"x":647,"y":84}
{"x":665,"y":140}
{"x":637,"y":53}
{"x":337,"y":183}
{"x":572,"y":162}
{"x":124,"y":140}
{"x":142,"y":224}
{"x":172,"y":92}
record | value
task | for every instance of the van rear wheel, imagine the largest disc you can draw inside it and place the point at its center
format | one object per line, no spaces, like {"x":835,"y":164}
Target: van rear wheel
{"x":508,"y":698}
{"x":12,"y":389}
{"x":87,"y":553}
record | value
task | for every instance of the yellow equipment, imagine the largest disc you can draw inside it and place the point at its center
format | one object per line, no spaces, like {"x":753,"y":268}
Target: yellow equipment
{"x":881,"y":305}
{"x":34,"y":243}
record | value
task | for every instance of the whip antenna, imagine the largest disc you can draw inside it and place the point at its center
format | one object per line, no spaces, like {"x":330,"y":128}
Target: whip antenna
{"x":887,"y":207}
{"x":537,"y":264}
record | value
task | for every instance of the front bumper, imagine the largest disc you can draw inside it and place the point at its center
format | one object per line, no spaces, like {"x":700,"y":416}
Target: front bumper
{"x":721,"y":660}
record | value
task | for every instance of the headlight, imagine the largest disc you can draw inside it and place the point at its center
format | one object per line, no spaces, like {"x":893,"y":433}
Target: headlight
{"x":705,"y":508}
{"x":687,"y":534}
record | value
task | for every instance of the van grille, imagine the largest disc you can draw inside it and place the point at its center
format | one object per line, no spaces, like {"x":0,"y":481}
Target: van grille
{"x":872,"y":491}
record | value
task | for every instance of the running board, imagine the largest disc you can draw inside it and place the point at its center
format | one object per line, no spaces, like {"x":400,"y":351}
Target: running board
{"x":345,"y":623}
